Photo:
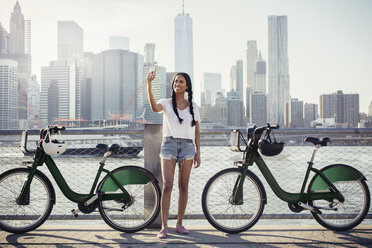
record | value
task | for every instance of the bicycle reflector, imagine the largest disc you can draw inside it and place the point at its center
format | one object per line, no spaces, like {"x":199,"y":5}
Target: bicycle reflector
{"x":269,"y":148}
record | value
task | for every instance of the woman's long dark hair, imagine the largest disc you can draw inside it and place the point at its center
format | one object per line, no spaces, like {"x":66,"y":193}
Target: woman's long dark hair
{"x":189,"y":91}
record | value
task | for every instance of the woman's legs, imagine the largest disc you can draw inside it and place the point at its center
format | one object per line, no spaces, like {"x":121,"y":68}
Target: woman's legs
{"x":167,"y":170}
{"x":183,"y":185}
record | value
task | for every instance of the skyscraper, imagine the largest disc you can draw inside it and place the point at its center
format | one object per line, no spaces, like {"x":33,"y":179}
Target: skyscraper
{"x":8,"y":94}
{"x":33,"y":96}
{"x":258,"y":109}
{"x":58,"y":92}
{"x":212,"y":84}
{"x":183,"y":46}
{"x":159,"y":84}
{"x":236,"y":78}
{"x":278,"y":92}
{"x":310,"y":113}
{"x":27,"y":36}
{"x":343,"y":107}
{"x":149,"y":54}
{"x":70,"y":40}
{"x":252,"y":54}
{"x":293,"y":113}
{"x":4,"y":40}
{"x":16,"y":51}
{"x":235,"y":109}
{"x":17,"y":31}
{"x":260,"y":75}
{"x":117,"y":85}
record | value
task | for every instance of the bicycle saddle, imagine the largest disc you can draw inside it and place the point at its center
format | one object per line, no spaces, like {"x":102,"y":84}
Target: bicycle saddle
{"x":317,"y":141}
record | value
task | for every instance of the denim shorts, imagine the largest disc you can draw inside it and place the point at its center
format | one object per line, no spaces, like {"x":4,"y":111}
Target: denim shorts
{"x":177,"y":148}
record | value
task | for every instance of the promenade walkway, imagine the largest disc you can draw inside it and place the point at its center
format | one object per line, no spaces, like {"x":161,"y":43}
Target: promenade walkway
{"x":200,"y":236}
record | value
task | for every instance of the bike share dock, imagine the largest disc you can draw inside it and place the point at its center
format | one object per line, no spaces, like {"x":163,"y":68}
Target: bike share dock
{"x":200,"y":236}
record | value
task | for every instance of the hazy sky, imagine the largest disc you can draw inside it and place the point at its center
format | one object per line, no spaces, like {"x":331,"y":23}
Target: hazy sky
{"x":329,"y":41}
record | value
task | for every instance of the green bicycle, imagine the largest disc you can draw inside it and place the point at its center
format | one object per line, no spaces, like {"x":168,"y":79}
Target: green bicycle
{"x":128,"y":198}
{"x":233,"y":200}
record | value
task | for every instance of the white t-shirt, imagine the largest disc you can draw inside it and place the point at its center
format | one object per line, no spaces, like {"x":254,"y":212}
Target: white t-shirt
{"x":171,"y":124}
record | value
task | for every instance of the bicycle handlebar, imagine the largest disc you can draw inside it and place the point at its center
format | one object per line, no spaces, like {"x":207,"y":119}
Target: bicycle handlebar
{"x":56,"y":129}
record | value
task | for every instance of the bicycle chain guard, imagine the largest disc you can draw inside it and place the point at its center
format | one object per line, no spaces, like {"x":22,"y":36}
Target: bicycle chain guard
{"x":295,"y":207}
{"x":88,"y":209}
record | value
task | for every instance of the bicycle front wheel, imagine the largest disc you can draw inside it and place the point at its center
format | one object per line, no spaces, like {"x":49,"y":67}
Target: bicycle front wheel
{"x":19,"y":218}
{"x":137,"y":215}
{"x":348,"y":214}
{"x":217,"y":201}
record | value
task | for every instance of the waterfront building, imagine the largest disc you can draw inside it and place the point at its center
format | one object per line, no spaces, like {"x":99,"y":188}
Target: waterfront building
{"x":258,"y":108}
{"x":278,"y":72}
{"x":235,"y":109}
{"x":293,"y":113}
{"x":8,"y":94}
{"x":344,"y":108}
{"x":310,"y":114}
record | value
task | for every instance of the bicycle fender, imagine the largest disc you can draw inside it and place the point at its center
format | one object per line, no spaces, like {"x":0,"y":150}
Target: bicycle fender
{"x":131,"y":175}
{"x":336,"y":173}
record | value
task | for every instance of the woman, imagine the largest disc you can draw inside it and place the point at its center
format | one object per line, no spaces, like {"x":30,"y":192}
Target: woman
{"x":180,"y":137}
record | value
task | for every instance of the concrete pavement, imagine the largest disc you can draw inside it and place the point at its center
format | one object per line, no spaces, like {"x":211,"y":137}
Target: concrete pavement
{"x":200,"y":236}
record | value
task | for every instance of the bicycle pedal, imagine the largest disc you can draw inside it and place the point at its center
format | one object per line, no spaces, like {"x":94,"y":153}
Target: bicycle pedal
{"x":75,"y":212}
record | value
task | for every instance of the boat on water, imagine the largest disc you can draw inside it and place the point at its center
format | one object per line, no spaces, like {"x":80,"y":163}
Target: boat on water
{"x":85,"y":145}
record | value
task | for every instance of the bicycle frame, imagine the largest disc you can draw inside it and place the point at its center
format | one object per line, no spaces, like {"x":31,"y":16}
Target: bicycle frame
{"x":41,"y":157}
{"x":253,"y":156}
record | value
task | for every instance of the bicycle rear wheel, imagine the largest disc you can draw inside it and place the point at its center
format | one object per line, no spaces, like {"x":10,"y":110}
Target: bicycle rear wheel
{"x":226,"y":216}
{"x":20,"y":218}
{"x":350,"y":213}
{"x":143,"y":210}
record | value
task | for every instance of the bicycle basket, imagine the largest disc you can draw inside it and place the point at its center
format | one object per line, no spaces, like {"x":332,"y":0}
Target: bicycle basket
{"x":237,"y":140}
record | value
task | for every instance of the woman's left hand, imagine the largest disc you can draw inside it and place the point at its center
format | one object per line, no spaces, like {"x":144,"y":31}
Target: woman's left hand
{"x":197,"y":160}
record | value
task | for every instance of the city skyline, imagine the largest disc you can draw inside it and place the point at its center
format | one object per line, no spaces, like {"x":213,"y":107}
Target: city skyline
{"x":327,"y":53}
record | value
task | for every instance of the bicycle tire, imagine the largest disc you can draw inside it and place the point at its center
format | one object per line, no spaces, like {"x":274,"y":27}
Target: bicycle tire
{"x":16,"y":218}
{"x":221,"y":213}
{"x":141,"y":213}
{"x":350,"y":213}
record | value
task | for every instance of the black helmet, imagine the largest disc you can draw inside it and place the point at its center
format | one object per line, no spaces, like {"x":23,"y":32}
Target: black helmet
{"x":269,"y":148}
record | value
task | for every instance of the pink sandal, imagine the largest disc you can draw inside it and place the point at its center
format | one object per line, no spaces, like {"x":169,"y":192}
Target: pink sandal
{"x":182,"y":230}
{"x":163,"y":234}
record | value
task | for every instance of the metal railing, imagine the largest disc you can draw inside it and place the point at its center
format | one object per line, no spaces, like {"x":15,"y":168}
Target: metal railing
{"x":288,"y":167}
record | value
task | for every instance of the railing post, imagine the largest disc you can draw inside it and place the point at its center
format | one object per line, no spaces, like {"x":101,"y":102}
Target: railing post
{"x":152,"y":143}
